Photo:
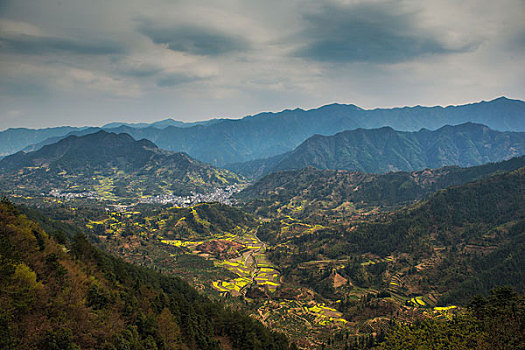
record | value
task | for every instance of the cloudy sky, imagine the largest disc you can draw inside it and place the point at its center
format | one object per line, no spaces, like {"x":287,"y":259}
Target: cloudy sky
{"x":79,"y":62}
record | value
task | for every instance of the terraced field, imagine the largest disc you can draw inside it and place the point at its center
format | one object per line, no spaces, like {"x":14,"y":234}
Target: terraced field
{"x":223,"y":257}
{"x":251,"y":265}
{"x":308,"y":322}
{"x":324,"y":314}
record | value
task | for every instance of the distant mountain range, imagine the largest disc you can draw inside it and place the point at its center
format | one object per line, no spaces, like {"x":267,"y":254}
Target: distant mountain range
{"x":14,"y":140}
{"x":109,"y":164}
{"x":225,"y":141}
{"x":385,"y":150}
{"x":17,"y":139}
{"x":161,"y":124}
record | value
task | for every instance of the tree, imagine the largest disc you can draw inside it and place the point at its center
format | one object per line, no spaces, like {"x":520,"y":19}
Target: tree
{"x":169,"y":330}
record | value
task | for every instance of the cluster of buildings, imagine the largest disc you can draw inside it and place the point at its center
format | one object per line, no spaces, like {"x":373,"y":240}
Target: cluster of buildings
{"x":73,"y":195}
{"x":221,"y":195}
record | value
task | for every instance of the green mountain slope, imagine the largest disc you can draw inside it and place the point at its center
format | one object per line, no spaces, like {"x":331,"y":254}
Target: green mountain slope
{"x":111,"y":165}
{"x":475,"y":234}
{"x":384,"y":150}
{"x":326,"y":191}
{"x":461,"y":241}
{"x":71,"y":296}
{"x":489,"y":324}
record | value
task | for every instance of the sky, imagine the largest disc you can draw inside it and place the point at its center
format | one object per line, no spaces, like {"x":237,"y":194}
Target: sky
{"x":78,"y":62}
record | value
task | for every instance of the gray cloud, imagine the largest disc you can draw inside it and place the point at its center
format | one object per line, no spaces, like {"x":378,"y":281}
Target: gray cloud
{"x":518,"y":42}
{"x":174,"y":79}
{"x":23,"y":86}
{"x":141,"y":71}
{"x":92,"y":62}
{"x":193,"y":39}
{"x":367,"y":32}
{"x":35,"y":45}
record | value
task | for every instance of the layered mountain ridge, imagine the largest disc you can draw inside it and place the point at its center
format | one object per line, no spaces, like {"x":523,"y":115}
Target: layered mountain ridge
{"x":268,"y":134}
{"x":385,"y":150}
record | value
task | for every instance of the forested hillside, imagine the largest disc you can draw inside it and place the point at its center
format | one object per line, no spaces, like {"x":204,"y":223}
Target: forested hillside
{"x":61,"y":294}
{"x":464,"y":240}
{"x":493,"y":323}
{"x":334,"y":192}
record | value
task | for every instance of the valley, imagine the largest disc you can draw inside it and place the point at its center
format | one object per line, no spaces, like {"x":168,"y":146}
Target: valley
{"x":328,"y":258}
{"x":309,"y":276}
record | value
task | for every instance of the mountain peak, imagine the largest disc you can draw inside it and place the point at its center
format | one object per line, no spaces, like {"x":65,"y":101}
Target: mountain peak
{"x":112,"y":160}
{"x":102,"y":138}
{"x":97,"y":150}
{"x":506,"y":100}
{"x":336,"y":105}
{"x":467,"y":125}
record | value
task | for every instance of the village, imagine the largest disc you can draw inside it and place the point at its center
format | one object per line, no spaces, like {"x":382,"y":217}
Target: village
{"x":220,"y":195}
